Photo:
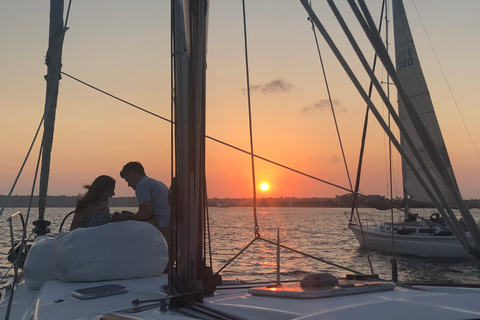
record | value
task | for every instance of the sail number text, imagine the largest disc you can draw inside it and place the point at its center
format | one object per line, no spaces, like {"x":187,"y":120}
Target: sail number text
{"x":404,"y":59}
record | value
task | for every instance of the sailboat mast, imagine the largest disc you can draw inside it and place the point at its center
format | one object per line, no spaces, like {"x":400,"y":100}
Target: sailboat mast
{"x":189,"y":193}
{"x":54,"y":65}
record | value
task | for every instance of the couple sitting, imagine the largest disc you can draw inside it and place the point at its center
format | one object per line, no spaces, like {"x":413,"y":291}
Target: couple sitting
{"x":152,"y":195}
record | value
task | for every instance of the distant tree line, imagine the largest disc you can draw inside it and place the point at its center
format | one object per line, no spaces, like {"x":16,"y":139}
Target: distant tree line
{"x":279,"y":202}
{"x":341,"y":201}
{"x":70,"y":201}
{"x":63,"y":201}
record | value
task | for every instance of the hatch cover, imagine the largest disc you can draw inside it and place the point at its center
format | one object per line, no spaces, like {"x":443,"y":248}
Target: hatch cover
{"x":344,"y":287}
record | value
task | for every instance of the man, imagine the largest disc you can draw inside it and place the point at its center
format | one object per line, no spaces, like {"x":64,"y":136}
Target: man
{"x":152,"y":196}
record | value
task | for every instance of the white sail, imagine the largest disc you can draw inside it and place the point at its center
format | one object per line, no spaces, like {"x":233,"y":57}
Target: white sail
{"x":412,"y":78}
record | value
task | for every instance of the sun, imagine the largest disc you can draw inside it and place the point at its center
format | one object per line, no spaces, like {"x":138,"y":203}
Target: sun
{"x":264,"y":187}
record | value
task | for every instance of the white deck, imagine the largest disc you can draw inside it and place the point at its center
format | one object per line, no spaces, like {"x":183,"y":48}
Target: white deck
{"x":54,"y":301}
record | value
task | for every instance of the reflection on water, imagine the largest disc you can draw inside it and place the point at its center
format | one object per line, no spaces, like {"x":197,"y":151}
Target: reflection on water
{"x":318,"y":232}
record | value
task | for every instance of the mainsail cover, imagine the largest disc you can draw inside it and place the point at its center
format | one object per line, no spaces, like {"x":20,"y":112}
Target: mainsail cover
{"x":412,"y":78}
{"x":190,"y":49}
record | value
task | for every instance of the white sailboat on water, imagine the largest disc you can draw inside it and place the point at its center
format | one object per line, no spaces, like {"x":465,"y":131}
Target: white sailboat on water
{"x":426,"y":237}
{"x":125,"y":286}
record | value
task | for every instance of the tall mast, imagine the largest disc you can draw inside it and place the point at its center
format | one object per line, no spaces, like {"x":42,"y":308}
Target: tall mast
{"x":54,"y":65}
{"x":189,"y":37}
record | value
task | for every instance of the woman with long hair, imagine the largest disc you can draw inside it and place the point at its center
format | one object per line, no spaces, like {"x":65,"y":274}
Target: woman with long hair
{"x":92,"y":208}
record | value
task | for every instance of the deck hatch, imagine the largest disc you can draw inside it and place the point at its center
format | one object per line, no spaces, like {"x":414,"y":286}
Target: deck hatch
{"x":344,"y":288}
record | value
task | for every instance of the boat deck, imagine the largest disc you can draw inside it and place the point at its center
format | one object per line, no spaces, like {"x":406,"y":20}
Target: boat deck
{"x":54,"y":301}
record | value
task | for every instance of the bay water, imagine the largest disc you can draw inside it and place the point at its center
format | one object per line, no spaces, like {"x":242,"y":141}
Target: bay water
{"x":319,"y":237}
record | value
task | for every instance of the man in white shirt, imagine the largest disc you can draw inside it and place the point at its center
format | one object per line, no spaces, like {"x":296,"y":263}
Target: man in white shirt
{"x":152,"y":196}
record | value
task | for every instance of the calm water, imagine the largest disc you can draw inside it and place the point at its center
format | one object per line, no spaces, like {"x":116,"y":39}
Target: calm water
{"x":318,"y":232}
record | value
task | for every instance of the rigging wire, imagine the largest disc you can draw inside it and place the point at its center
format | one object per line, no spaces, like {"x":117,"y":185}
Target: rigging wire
{"x":256,"y":228}
{"x":310,"y":256}
{"x":448,"y":84}
{"x":393,"y":260}
{"x":22,"y":166}
{"x":24,"y":240}
{"x":354,"y":193}
{"x":220,"y":141}
{"x":172,"y":89}
{"x":433,"y":153}
{"x":41,"y":224}
{"x":257,"y":235}
{"x":354,"y":197}
{"x":331,"y":103}
{"x":250,"y":153}
{"x":68,"y":13}
{"x":362,"y":149}
{"x":372,"y":33}
{"x":172,"y":192}
{"x":115,"y":97}
{"x":370,"y":30}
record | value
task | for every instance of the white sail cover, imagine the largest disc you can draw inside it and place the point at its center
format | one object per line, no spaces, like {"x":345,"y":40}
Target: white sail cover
{"x":120,"y":250}
{"x":39,"y":267}
{"x":412,"y":78}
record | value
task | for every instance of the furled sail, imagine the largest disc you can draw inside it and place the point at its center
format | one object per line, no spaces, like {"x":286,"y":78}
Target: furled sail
{"x":189,"y":194}
{"x":412,"y":78}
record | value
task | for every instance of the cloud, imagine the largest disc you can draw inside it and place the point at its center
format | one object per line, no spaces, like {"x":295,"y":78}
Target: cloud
{"x":275,"y":86}
{"x":334,"y":159}
{"x":321,"y":106}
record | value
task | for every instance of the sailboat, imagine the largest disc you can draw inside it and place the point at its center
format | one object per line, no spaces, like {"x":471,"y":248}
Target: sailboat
{"x":119,"y":281}
{"x":420,"y":238}
{"x":425,"y":237}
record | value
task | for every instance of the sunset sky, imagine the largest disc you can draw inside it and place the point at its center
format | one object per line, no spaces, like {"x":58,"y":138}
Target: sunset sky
{"x":123,"y":47}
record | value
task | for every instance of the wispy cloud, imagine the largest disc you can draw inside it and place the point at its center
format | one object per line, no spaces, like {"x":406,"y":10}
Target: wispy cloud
{"x":334,"y":159}
{"x":321,"y":106}
{"x":275,"y":86}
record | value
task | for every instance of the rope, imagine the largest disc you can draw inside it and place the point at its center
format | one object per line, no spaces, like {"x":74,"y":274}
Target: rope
{"x":256,"y":228}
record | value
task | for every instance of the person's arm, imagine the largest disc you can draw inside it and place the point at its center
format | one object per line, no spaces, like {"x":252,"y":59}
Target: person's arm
{"x":144,"y":212}
{"x":78,"y":218}
{"x":121,"y":216}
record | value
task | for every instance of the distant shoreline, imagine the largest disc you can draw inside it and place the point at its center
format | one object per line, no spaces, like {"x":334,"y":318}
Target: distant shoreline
{"x":343,"y":201}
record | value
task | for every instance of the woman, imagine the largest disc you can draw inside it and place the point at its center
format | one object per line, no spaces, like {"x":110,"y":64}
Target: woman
{"x":92,"y":208}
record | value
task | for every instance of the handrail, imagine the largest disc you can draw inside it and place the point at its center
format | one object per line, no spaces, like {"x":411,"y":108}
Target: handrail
{"x":11,"y":228}
{"x":65,"y":219}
